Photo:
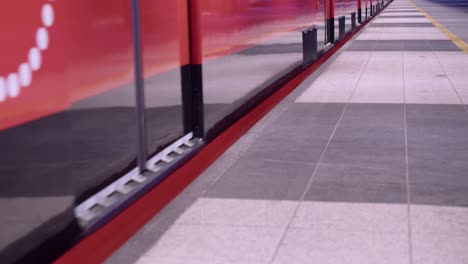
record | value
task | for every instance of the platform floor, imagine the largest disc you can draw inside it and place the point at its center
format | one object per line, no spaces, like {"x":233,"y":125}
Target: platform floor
{"x":365,"y":162}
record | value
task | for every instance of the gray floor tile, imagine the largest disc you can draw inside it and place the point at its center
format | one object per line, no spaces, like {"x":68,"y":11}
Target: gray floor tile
{"x":443,"y":45}
{"x":389,"y":45}
{"x":437,"y":154}
{"x":368,"y":152}
{"x":290,"y":145}
{"x":439,"y":194}
{"x":416,"y":45}
{"x":451,"y":14}
{"x":308,"y":115}
{"x":401,"y":24}
{"x":262,"y":179}
{"x":383,"y":115}
{"x":433,"y":116}
{"x":441,"y":122}
{"x":365,"y":161}
{"x":370,"y":135}
{"x":358,"y":184}
{"x":362,"y":45}
{"x":433,"y":165}
{"x":289,"y":137}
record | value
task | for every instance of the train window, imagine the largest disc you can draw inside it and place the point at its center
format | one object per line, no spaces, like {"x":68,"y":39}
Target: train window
{"x":67,"y":124}
{"x":164,"y":29}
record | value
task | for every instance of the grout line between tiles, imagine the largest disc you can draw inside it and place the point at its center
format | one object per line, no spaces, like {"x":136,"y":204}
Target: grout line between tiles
{"x":288,"y":101}
{"x":221,"y":173}
{"x":451,"y":83}
{"x":285,"y":104}
{"x":270,"y":118}
{"x":454,"y":38}
{"x":318,"y":164}
{"x":408,"y":190}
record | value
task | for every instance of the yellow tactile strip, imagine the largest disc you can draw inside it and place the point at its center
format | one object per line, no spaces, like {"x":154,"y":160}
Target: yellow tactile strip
{"x":459,"y":42}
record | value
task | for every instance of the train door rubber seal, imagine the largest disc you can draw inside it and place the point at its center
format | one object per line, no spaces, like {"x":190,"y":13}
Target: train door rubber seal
{"x":139,"y":87}
{"x":192,"y":76}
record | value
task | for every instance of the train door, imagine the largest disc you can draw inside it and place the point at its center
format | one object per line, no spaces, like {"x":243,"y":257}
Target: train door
{"x":169,"y":114}
{"x":321,"y":12}
{"x":330,"y":21}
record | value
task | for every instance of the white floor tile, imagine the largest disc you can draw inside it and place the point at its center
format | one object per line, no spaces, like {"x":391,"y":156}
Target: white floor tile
{"x":415,"y":13}
{"x":402,"y":20}
{"x":403,"y":36}
{"x":330,"y":87}
{"x":425,"y":80}
{"x":391,"y":36}
{"x":455,"y":65}
{"x":331,"y":246}
{"x":437,"y":92}
{"x":369,"y":36}
{"x":439,"y":219}
{"x":338,"y":81}
{"x":439,"y":234}
{"x":410,"y":33}
{"x":238,"y":212}
{"x":378,"y":93}
{"x":426,"y":36}
{"x":399,"y":9}
{"x":404,"y":30}
{"x":382,"y":80}
{"x":394,"y":6}
{"x":214,"y":244}
{"x":355,"y":217}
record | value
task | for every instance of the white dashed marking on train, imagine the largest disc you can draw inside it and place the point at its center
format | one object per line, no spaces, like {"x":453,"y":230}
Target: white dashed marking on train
{"x":10,"y":87}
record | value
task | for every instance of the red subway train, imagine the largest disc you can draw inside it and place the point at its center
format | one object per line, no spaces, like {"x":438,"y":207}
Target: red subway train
{"x":101,"y":100}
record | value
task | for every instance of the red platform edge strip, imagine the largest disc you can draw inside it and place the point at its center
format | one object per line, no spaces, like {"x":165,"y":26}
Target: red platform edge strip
{"x":100,"y":245}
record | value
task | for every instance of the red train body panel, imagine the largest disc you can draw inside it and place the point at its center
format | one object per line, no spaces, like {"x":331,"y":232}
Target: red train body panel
{"x":67,"y":78}
{"x":90,"y":44}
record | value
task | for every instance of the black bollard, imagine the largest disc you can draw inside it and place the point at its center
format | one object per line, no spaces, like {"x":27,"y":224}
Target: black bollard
{"x":353,"y":20}
{"x":359,"y":15}
{"x":309,"y":45}
{"x":341,"y":25}
{"x":331,"y":30}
